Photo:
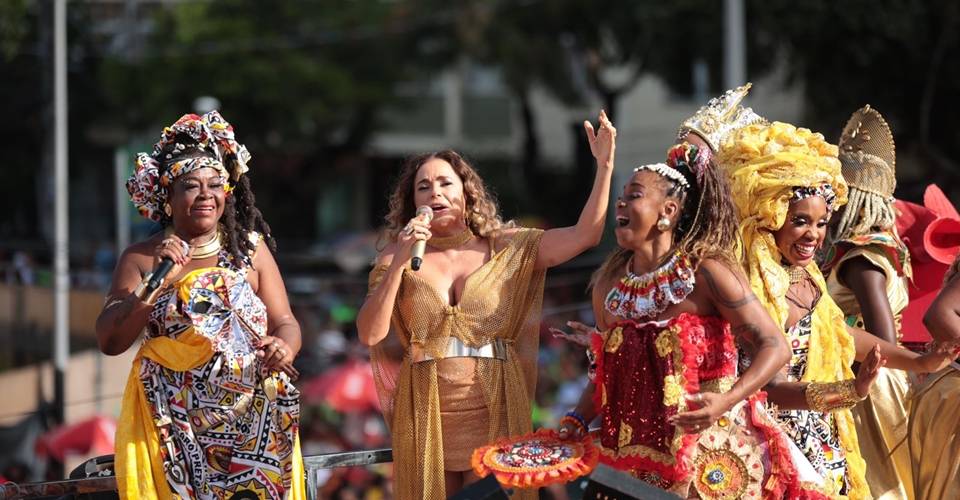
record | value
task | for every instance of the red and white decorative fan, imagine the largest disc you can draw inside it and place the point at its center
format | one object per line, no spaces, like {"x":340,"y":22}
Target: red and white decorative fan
{"x":536,"y":459}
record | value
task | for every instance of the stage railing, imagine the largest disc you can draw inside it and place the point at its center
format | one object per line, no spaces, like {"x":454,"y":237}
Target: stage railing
{"x":89,"y":485}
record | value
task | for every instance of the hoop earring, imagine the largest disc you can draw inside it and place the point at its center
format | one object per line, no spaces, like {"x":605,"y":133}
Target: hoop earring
{"x":663,"y":223}
{"x":167,"y":209}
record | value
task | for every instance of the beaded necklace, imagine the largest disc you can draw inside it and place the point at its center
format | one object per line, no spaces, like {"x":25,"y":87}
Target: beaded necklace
{"x":649,"y":294}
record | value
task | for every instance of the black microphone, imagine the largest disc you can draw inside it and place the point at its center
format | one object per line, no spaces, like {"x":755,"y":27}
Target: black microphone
{"x":420,"y":245}
{"x":156,"y":279}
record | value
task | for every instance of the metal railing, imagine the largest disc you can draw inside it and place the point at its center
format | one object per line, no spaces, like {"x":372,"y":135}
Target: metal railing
{"x":311,"y":465}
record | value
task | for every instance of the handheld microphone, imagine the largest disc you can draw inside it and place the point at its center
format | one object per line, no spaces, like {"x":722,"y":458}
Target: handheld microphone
{"x":420,"y":245}
{"x":156,"y":279}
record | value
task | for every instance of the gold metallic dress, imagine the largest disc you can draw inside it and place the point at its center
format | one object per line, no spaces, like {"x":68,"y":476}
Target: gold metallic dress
{"x":933,"y":436}
{"x":441,"y":409}
{"x":881,"y":419}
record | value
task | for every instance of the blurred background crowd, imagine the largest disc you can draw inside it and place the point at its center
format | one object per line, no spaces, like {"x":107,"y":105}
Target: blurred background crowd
{"x":330,"y":96}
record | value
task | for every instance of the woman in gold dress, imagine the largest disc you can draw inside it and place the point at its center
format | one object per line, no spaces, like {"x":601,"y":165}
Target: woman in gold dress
{"x":869,"y":268}
{"x":468,"y":320}
{"x":934,"y":443}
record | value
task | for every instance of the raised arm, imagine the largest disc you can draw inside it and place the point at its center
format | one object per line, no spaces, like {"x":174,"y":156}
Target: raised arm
{"x":562,"y":244}
{"x":755,"y":333}
{"x":943,"y":317}
{"x":869,"y":285}
{"x":283,"y":343}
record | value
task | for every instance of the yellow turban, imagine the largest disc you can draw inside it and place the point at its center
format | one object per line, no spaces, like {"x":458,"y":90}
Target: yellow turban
{"x":764,"y":164}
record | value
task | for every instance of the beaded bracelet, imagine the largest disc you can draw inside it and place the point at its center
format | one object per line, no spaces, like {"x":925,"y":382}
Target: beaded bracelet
{"x":576,"y":420}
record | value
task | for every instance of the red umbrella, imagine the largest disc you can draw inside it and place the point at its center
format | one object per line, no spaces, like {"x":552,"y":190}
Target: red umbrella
{"x":346,"y":388}
{"x":93,"y":436}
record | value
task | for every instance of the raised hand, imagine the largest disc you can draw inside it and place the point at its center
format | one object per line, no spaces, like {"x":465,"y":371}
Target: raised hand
{"x":603,"y":143}
{"x":869,"y":370}
{"x":417,"y":229}
{"x":175,"y":249}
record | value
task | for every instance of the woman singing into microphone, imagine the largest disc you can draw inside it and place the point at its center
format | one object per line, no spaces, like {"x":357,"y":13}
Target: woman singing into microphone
{"x":468,"y":320}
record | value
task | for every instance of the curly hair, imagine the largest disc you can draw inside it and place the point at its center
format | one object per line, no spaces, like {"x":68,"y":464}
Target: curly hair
{"x":707,"y":227}
{"x":240,"y":213}
{"x":482,"y":213}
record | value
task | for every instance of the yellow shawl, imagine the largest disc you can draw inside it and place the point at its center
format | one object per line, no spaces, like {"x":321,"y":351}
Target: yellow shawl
{"x":764,"y":163}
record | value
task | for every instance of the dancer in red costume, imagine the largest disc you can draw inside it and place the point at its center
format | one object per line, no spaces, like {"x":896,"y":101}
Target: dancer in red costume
{"x":672,"y":305}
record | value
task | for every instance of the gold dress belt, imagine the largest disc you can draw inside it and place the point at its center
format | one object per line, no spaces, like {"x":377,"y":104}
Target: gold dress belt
{"x":456,"y":348}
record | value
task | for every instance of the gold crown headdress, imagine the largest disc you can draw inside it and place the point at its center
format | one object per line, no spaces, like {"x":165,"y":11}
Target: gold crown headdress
{"x":720,"y":117}
{"x":867,"y":153}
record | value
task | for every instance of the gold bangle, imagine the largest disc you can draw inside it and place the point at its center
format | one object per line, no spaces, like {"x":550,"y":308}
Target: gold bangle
{"x":140,"y":291}
{"x":828,"y":397}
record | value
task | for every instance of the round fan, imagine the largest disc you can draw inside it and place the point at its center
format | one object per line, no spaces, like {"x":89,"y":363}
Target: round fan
{"x":536,"y":459}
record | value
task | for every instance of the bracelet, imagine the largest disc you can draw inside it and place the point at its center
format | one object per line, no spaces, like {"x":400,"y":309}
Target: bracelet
{"x":140,"y":291}
{"x":827,"y":397}
{"x":576,"y":419}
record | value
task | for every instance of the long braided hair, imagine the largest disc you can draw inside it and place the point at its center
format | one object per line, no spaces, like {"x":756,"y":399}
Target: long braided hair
{"x":240,"y":217}
{"x":864,"y":213}
{"x":707,"y":227}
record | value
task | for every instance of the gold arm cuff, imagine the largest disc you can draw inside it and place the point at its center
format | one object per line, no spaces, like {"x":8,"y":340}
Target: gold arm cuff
{"x":828,"y":397}
{"x":140,"y":291}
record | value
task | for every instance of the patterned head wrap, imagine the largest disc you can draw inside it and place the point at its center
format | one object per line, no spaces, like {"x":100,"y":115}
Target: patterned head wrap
{"x":154,"y":173}
{"x":690,"y":157}
{"x":768,"y":166}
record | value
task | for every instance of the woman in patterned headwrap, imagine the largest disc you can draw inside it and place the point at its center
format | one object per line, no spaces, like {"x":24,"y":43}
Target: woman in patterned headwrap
{"x":209,"y":410}
{"x":468,"y":321}
{"x":786,"y":182}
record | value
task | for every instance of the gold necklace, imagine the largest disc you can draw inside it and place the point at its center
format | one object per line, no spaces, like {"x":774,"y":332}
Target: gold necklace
{"x":448,"y":242}
{"x":206,"y":249}
{"x":796,"y":273}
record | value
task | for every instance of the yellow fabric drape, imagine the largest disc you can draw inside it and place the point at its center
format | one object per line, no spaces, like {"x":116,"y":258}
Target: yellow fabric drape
{"x":138,"y":462}
{"x":139,"y":465}
{"x":764,"y":163}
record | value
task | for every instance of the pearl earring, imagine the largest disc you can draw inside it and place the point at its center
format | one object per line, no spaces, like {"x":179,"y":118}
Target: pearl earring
{"x":663,"y":223}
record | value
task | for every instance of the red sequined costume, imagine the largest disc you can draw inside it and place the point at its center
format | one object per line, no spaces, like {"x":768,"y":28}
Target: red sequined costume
{"x":644,"y":370}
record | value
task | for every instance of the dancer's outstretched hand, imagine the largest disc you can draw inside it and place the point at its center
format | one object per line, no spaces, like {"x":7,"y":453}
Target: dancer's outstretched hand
{"x":705,"y":409}
{"x":580,"y":336}
{"x":940,"y":355}
{"x":603,"y":143}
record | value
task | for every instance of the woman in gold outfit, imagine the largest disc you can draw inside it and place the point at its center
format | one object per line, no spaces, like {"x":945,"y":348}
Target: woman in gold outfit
{"x":869,"y":268}
{"x":468,"y":320}
{"x":932,"y":434}
{"x":785,"y":182}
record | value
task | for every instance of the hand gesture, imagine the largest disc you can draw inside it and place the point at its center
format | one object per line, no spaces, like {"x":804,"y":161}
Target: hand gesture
{"x":603,"y":144}
{"x":175,"y":249}
{"x":941,"y":354}
{"x":418,"y":229}
{"x":704,"y":409}
{"x":580,"y":337}
{"x":869,"y":370}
